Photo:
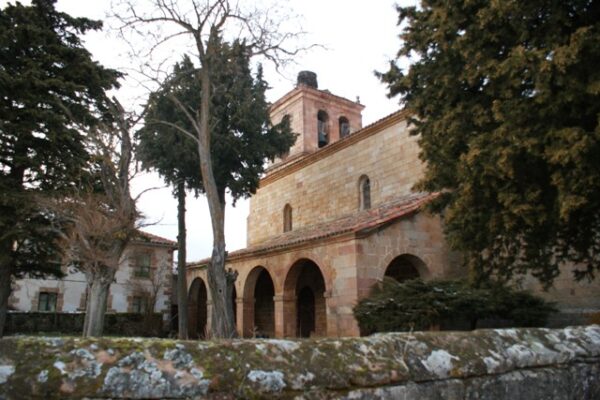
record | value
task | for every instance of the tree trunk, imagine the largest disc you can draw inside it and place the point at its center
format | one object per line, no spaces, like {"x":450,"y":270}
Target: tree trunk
{"x":5,"y":289}
{"x":222,"y":322}
{"x":96,"y":307}
{"x":182,"y":307}
{"x":86,"y":320}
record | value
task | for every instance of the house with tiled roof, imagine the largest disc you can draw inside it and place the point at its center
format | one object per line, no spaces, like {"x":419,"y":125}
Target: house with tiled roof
{"x":143,"y":281}
{"x":331,"y":218}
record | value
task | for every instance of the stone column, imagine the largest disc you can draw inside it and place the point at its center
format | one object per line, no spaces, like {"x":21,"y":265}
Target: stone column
{"x":240,"y":323}
{"x":209,"y":307}
{"x":285,"y":316}
{"x":290,"y":314}
{"x":278,"y":309}
{"x":330,"y":316}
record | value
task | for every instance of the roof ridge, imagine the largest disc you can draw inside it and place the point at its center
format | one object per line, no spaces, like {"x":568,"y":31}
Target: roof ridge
{"x":356,"y":222}
{"x":155,"y":238}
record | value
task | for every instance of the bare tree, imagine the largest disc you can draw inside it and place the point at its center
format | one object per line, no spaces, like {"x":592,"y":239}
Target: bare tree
{"x":205,"y":22}
{"x":99,"y":220}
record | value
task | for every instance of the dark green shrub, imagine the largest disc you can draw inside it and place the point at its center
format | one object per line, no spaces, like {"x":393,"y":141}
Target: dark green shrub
{"x":418,"y":305}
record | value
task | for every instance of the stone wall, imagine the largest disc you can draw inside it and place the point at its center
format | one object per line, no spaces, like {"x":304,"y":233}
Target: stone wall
{"x":324,"y":185}
{"x":420,"y":235}
{"x":510,"y":364}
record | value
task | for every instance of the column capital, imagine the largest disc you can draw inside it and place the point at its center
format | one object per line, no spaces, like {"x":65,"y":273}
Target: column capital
{"x":283,"y":298}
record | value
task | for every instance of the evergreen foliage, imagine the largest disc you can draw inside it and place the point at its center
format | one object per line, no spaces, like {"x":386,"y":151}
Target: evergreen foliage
{"x":49,"y":85}
{"x":242,"y":134}
{"x":161,"y":145}
{"x":506,"y":100}
{"x":418,"y":305}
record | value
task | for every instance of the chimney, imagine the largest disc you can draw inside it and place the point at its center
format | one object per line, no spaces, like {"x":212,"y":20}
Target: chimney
{"x":307,"y":78}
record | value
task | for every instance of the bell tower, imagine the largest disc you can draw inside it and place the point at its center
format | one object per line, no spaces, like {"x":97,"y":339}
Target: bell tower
{"x":319,"y":117}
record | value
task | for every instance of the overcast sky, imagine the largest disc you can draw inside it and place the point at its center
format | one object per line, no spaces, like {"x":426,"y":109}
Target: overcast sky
{"x":358,"y":39}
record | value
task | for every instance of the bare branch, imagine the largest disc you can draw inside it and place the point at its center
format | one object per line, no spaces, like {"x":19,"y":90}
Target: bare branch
{"x":177,"y":127}
{"x":211,"y":22}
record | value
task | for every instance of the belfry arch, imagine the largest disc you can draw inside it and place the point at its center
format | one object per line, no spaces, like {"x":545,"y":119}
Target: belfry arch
{"x":306,"y":311}
{"x":259,"y":308}
{"x":405,"y":267}
{"x":197,"y":309}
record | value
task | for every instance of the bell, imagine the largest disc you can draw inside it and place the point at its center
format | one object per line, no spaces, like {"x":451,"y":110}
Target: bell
{"x":322,"y":139}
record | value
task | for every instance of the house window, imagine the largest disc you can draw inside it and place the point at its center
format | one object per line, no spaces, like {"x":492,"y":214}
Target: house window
{"x":139,"y":304}
{"x":344,"y":127}
{"x":322,"y":128}
{"x":47,"y":301}
{"x":142,"y":265}
{"x":364,"y":185}
{"x":287,"y":218}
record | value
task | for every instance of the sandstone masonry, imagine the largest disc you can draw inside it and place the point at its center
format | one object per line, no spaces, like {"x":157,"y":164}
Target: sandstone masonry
{"x":333,"y":217}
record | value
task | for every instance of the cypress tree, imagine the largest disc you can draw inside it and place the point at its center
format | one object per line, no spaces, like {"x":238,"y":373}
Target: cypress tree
{"x":506,"y":100}
{"x":49,"y":85}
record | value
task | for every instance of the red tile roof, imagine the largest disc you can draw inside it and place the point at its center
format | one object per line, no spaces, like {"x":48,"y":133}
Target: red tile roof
{"x":145,"y":237}
{"x":360,"y":222}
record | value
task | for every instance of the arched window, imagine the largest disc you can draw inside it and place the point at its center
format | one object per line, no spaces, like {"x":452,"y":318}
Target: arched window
{"x":322,"y":128}
{"x":364,"y":187}
{"x":344,"y":127}
{"x":287,"y":218}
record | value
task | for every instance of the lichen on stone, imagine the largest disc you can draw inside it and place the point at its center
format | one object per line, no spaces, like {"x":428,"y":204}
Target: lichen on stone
{"x":520,"y":355}
{"x":179,"y":357}
{"x":54,"y":342}
{"x":267,"y":381}
{"x":286,"y":345}
{"x":61,"y":366}
{"x":593,"y":334}
{"x":392,"y":365}
{"x":491,"y":364}
{"x":300,"y":381}
{"x":5,"y":372}
{"x":82,"y":353}
{"x":439,"y":362}
{"x":140,"y":375}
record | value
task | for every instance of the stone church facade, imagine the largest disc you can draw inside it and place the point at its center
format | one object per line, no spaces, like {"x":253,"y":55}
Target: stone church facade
{"x":329,"y":220}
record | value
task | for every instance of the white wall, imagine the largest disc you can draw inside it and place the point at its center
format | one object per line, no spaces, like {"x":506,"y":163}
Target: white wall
{"x":72,"y":287}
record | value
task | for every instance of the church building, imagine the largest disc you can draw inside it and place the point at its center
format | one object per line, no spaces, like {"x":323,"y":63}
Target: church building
{"x":330,"y":219}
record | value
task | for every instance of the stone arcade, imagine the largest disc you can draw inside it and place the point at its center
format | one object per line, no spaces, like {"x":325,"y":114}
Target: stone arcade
{"x":331,"y":218}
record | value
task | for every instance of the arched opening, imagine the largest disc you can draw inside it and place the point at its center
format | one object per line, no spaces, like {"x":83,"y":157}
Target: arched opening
{"x":405,"y":267}
{"x":287,"y":218}
{"x":259,"y":309}
{"x":322,"y":128}
{"x":364,"y":189}
{"x":344,"y":126}
{"x":264,"y":308}
{"x":306,"y":312}
{"x":197,"y":310}
{"x":306,"y":315}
